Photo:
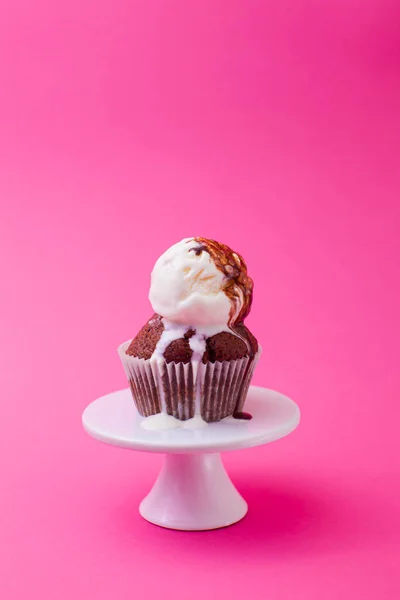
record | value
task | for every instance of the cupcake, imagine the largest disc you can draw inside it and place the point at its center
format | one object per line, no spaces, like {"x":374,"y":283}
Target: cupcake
{"x":192,"y":362}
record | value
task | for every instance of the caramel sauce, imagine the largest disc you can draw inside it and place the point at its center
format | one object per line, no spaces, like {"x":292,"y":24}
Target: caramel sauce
{"x":238,"y":286}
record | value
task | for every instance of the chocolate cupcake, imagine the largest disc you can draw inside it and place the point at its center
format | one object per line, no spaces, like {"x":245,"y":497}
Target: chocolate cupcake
{"x":192,"y":362}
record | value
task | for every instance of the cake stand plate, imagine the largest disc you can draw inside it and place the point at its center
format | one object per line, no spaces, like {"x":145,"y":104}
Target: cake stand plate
{"x":193,"y":491}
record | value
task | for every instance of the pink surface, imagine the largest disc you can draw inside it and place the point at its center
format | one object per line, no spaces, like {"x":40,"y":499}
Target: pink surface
{"x":274,"y":127}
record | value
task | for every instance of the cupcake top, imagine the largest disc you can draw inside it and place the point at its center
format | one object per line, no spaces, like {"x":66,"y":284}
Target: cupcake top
{"x":201,"y":293}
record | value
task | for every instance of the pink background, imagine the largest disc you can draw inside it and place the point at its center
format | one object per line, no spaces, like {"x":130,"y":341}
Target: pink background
{"x":274,"y":127}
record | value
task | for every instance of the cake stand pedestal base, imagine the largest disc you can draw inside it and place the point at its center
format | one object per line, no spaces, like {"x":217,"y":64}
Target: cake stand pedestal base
{"x":193,"y":492}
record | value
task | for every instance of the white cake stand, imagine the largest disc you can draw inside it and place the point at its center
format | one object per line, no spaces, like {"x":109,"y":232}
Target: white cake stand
{"x":193,"y":491}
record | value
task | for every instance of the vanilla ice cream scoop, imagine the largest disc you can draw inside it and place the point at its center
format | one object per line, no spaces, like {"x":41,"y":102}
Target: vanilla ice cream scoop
{"x":200,"y":282}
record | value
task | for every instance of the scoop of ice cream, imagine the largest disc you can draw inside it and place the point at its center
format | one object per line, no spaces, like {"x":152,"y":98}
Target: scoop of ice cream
{"x":201,"y":282}
{"x":187,"y":288}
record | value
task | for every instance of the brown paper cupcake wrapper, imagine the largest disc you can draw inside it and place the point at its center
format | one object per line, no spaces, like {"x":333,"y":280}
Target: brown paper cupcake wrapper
{"x":213,"y":390}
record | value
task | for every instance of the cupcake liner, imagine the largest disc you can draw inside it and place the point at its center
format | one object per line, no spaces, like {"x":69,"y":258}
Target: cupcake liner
{"x":213,"y":390}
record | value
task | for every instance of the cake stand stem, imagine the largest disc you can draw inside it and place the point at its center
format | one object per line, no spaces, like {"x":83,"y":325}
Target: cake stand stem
{"x":193,"y":492}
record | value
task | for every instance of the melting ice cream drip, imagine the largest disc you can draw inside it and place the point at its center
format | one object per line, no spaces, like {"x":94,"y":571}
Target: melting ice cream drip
{"x":197,"y":343}
{"x":172,"y":331}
